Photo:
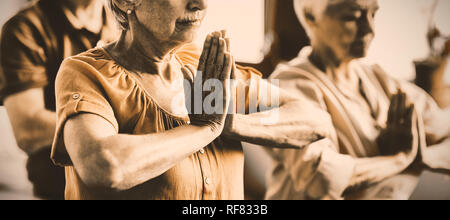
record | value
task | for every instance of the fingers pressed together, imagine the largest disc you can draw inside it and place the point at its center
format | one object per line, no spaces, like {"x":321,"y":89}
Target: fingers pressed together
{"x":216,"y":60}
{"x":400,"y":110}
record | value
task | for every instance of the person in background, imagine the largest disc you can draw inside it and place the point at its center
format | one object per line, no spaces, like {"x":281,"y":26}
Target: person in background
{"x":388,"y":130}
{"x":33,"y":45}
{"x":430,"y":71}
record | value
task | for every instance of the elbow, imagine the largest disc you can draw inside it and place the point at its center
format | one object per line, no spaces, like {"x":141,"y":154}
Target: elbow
{"x":106,"y":183}
{"x":102,"y":171}
{"x":28,"y":143}
{"x":104,"y":178}
{"x":25,"y":143}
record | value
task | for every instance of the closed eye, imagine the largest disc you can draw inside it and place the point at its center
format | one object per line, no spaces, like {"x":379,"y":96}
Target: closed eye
{"x":352,"y":17}
{"x":349,"y":18}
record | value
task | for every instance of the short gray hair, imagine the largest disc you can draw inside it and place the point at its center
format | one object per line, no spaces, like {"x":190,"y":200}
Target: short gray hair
{"x":121,"y":16}
{"x":305,"y":8}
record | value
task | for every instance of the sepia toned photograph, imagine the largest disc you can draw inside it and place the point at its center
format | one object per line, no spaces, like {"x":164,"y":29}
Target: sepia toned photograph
{"x":256,"y":101}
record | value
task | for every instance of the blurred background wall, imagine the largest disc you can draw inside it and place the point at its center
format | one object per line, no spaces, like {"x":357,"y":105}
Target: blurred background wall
{"x":264,"y":33}
{"x":401,"y":27}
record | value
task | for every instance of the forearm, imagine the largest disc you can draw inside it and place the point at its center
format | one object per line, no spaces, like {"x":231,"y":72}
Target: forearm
{"x":292,"y":125}
{"x":136,"y":159}
{"x":44,"y":129}
{"x":35,"y":132}
{"x":33,"y":125}
{"x":437,"y":157}
{"x":370,"y":171}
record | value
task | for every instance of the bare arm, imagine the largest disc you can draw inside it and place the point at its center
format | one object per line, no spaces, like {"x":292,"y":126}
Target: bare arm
{"x":108,"y":160}
{"x":369,"y":171}
{"x":336,"y":173}
{"x":288,"y":123}
{"x":436,"y":157}
{"x":297,"y":125}
{"x":34,"y":126}
{"x":398,"y":144}
{"x":111,"y":161}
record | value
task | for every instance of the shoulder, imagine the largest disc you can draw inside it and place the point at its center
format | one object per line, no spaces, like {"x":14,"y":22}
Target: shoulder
{"x":377,"y":74}
{"x":296,"y":73}
{"x":391,"y":85}
{"x":298,"y":78}
{"x":93,"y":65}
{"x":297,"y":68}
{"x":96,"y":58}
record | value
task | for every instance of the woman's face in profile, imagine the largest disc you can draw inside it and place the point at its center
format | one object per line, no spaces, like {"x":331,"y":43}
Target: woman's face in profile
{"x":174,"y":21}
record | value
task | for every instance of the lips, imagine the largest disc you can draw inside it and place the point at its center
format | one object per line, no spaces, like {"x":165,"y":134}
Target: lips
{"x":194,"y":19}
{"x":189,"y":22}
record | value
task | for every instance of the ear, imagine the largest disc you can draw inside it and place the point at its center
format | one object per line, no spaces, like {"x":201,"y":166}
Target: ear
{"x":310,"y":18}
{"x":125,"y":5}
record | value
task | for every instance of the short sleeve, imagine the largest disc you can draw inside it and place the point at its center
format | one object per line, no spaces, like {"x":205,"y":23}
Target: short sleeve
{"x":79,"y":89}
{"x":22,"y":57}
{"x":248,"y":90}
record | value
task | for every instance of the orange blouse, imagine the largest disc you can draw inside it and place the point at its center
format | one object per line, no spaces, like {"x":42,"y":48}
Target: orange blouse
{"x":93,"y":82}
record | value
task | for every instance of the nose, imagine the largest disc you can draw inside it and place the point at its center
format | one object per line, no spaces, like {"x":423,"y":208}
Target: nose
{"x":366,"y":25}
{"x":197,"y":5}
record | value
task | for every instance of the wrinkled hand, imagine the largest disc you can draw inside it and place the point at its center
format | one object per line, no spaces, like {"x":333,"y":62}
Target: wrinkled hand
{"x":398,"y":136}
{"x":215,"y":66}
{"x":229,"y":128}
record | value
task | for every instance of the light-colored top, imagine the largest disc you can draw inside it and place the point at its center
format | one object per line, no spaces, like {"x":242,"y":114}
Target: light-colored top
{"x":325,"y":168}
{"x":93,"y":82}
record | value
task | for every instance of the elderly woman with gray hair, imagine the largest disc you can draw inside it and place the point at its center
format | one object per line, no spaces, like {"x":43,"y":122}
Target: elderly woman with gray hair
{"x":124,"y":131}
{"x":388,"y":131}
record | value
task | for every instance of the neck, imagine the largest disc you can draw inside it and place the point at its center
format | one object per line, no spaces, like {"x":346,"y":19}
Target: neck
{"x":144,"y":55}
{"x":327,"y":61}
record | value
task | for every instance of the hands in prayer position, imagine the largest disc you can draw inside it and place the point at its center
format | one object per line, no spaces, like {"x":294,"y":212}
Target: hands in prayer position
{"x":398,"y":136}
{"x":215,"y":65}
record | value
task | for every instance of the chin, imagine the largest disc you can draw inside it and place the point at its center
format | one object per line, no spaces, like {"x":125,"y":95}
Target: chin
{"x":358,"y":55}
{"x":358,"y":52}
{"x":187,"y":37}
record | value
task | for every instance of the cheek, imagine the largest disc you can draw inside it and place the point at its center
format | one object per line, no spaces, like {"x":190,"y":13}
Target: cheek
{"x":159,"y":25}
{"x":347,"y":32}
{"x":158,"y":19}
{"x":339,"y":33}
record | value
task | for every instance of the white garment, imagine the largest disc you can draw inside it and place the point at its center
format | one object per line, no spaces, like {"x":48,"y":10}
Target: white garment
{"x":324,"y":169}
